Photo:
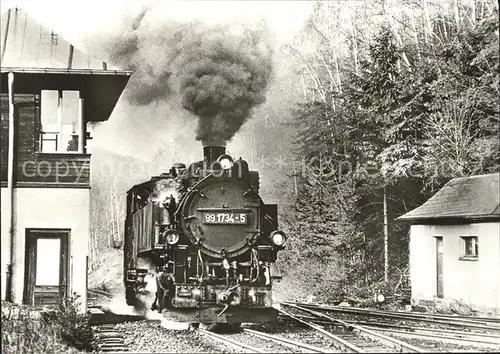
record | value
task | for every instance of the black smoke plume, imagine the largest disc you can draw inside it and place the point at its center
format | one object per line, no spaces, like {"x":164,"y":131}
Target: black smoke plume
{"x":214,"y":73}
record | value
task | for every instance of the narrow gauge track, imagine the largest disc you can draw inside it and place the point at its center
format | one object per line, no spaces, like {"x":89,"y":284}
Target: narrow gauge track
{"x":228,"y":341}
{"x":432,"y":334}
{"x":487,"y":338}
{"x":438,"y":335}
{"x":267,"y":343}
{"x":285,"y":341}
{"x":107,"y":338}
{"x":353,"y":338}
{"x":480,"y":323}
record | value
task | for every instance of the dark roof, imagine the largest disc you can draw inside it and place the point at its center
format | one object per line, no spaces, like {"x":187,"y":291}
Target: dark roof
{"x":29,"y":44}
{"x":466,"y":198}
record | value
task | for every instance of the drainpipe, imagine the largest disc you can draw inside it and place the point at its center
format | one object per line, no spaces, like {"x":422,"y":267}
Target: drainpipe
{"x":10,"y":294}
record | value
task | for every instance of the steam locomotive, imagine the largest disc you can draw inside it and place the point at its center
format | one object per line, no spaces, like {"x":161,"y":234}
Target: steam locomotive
{"x":211,"y":239}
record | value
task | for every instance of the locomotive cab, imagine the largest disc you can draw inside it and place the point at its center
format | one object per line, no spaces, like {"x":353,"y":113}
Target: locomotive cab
{"x":207,"y":238}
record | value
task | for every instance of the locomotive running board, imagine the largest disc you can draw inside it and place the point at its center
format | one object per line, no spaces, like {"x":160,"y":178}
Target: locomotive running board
{"x":231,"y":315}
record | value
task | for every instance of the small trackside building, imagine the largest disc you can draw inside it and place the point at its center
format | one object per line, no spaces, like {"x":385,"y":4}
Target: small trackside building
{"x":50,"y":91}
{"x":455,"y":244}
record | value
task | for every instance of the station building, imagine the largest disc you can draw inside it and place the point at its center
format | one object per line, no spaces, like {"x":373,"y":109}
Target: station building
{"x":50,"y":91}
{"x":455,"y":244}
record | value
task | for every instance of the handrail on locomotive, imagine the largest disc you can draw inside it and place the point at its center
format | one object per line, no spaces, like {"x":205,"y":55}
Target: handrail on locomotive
{"x":211,"y":238}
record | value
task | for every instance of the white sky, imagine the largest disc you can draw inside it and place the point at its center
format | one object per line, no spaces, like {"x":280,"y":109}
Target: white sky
{"x":77,"y":19}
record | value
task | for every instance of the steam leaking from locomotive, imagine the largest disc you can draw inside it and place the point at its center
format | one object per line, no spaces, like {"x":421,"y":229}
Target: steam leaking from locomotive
{"x":216,"y":73}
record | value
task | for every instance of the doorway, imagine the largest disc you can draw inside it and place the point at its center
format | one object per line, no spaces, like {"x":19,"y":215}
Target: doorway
{"x":439,"y":267}
{"x":46,"y":267}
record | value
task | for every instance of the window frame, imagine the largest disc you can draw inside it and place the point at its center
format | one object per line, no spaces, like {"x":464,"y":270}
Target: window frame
{"x":60,"y":147}
{"x":464,"y":246}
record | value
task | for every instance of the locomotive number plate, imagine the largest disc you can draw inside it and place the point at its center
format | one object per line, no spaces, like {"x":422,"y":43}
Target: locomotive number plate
{"x":224,"y":218}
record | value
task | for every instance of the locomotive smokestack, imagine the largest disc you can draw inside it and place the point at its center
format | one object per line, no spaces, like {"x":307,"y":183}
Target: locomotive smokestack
{"x":212,"y":152}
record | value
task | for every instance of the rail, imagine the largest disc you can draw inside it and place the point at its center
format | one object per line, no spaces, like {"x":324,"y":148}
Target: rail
{"x":470,"y":323}
{"x":225,"y":340}
{"x":285,"y":341}
{"x":345,"y":345}
{"x":388,"y":341}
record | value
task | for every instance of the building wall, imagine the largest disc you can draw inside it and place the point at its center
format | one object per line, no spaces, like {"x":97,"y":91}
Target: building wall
{"x":34,"y":167}
{"x":475,"y":282}
{"x":5,"y":249}
{"x":64,"y":208}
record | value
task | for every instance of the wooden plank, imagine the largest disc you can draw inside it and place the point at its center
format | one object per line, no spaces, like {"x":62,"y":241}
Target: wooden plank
{"x":29,"y":269}
{"x":46,"y":288}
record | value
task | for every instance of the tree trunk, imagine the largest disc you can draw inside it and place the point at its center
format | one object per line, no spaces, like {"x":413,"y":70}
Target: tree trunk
{"x":389,"y":16}
{"x":456,"y":13}
{"x":386,"y":239}
{"x":354,"y":42}
{"x":426,"y":22}
{"x":117,"y":208}
{"x":415,"y":33}
{"x":473,"y":12}
{"x":304,"y":87}
{"x":111,"y":230}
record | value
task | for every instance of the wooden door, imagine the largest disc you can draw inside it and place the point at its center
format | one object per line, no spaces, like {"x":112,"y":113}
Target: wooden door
{"x":46,"y":276}
{"x":439,"y":267}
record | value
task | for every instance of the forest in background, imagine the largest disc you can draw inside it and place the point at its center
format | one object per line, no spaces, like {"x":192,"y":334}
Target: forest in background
{"x":385,"y":102}
{"x":399,"y":97}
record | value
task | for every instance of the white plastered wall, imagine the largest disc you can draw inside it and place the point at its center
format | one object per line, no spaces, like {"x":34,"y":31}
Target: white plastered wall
{"x":49,"y":208}
{"x":474,"y":282}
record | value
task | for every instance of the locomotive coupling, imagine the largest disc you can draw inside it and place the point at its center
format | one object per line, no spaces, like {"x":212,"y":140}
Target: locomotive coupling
{"x":229,"y":298}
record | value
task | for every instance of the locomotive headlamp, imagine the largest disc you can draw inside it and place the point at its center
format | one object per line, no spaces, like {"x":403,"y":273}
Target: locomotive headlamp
{"x":226,"y":162}
{"x":171,"y":237}
{"x":278,"y":238}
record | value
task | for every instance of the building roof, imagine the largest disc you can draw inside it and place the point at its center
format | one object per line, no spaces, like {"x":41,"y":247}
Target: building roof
{"x":29,"y":44}
{"x":466,"y":198}
{"x":40,"y":59}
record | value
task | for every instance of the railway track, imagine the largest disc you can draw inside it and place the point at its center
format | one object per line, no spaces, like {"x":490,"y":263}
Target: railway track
{"x":353,"y":338}
{"x":108,"y":339}
{"x":252,"y":341}
{"x":470,"y":322}
{"x":340,"y":334}
{"x":421,"y":334}
{"x":287,"y":342}
{"x":486,"y":338}
{"x":228,"y":341}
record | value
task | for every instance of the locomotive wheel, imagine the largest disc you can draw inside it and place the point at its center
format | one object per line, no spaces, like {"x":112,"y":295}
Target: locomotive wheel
{"x":235,"y":327}
{"x":222,"y":327}
{"x":130,"y":296}
{"x":194,"y":325}
{"x":212,"y":327}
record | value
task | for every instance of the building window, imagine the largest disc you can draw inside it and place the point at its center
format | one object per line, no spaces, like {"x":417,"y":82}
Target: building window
{"x":470,"y":246}
{"x":61,"y":120}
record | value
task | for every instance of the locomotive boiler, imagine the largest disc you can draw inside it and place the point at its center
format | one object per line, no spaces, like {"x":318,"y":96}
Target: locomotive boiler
{"x":211,"y":239}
